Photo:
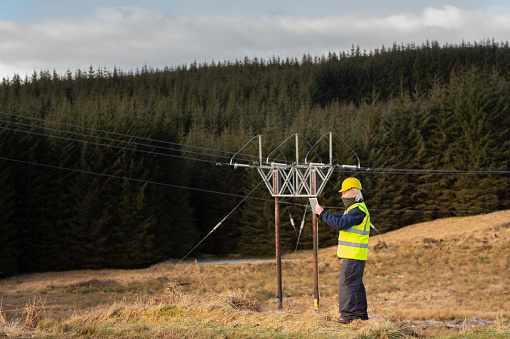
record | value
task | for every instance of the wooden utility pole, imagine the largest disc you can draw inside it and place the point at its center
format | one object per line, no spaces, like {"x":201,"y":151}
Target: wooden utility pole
{"x":315,"y":248}
{"x":278,"y":243}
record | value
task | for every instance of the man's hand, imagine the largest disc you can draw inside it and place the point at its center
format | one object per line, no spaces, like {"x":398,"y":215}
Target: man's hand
{"x":318,"y":209}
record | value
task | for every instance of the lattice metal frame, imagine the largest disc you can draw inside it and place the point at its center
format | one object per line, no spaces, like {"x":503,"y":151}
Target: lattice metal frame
{"x":296,"y":180}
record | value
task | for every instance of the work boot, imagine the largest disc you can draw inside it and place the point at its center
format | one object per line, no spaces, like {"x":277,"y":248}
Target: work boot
{"x":341,"y":320}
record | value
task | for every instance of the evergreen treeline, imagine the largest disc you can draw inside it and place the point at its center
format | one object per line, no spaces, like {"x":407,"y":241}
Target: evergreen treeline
{"x":69,"y":200}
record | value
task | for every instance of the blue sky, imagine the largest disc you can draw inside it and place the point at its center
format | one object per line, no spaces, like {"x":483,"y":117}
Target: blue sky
{"x":61,"y":35}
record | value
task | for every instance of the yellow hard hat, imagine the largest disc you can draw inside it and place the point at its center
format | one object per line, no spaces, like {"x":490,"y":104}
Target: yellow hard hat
{"x":350,"y":183}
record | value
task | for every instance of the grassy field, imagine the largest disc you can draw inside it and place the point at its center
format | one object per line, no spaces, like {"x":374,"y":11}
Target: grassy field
{"x":447,"y":278}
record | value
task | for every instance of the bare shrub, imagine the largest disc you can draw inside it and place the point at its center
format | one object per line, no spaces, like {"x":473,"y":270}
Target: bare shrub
{"x":33,"y":312}
{"x":385,"y":326}
{"x":380,"y":245}
{"x":3,"y":318}
{"x":174,"y":294}
{"x":239,"y":300}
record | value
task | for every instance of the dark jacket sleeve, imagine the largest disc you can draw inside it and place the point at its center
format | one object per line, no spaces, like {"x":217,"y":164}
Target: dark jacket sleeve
{"x":340,"y":222}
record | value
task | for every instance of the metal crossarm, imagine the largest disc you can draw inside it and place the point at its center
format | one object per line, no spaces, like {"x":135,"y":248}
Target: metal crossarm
{"x":296,"y":180}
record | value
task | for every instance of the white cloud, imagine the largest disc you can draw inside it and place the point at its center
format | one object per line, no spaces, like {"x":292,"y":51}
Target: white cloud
{"x":447,"y":17}
{"x":129,"y":37}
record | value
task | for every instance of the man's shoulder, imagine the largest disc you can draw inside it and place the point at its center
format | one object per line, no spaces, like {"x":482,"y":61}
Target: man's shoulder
{"x":359,"y":207}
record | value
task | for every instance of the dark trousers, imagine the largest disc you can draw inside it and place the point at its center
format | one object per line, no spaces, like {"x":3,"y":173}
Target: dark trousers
{"x":352,"y":297}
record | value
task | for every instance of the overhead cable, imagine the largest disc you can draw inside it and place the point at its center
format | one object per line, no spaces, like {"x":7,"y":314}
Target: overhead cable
{"x":123,"y":135}
{"x":112,"y":146}
{"x":103,"y":138}
{"x":223,"y":193}
{"x":129,"y":179}
{"x":374,"y":170}
{"x":118,"y":134}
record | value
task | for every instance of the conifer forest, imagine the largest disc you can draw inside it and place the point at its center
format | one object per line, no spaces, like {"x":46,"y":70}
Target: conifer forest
{"x":103,"y":168}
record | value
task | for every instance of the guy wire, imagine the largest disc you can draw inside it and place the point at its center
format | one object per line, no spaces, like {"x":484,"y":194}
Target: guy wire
{"x":218,"y":224}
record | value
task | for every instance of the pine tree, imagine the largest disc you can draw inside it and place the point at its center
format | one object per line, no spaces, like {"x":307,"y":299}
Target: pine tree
{"x":9,"y":238}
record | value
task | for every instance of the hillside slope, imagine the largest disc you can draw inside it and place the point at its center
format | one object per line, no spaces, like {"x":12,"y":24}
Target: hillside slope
{"x":447,"y":275}
{"x":480,"y":228}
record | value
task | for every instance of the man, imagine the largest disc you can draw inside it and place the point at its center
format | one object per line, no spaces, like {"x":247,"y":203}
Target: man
{"x":354,"y":229}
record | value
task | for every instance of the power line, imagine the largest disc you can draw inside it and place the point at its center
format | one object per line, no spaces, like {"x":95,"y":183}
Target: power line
{"x":222,"y":193}
{"x":127,"y":178}
{"x":202,"y":190}
{"x":106,"y":139}
{"x":123,"y":135}
{"x":115,"y":133}
{"x":112,"y":146}
{"x":420,"y":171}
{"x":417,"y":211}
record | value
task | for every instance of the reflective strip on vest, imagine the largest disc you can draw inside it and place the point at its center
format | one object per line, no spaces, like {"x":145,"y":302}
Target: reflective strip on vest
{"x":364,"y":208}
{"x":353,"y":230}
{"x":352,"y":244}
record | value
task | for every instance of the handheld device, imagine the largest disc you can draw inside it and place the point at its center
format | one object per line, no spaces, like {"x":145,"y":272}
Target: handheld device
{"x":313,"y":203}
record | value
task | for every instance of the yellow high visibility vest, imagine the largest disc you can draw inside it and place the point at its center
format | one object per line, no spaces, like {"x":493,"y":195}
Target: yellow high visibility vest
{"x":353,"y":241}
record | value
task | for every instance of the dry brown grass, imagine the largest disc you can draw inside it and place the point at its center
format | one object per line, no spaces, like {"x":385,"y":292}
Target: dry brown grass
{"x":445,"y":276}
{"x":177,"y":313}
